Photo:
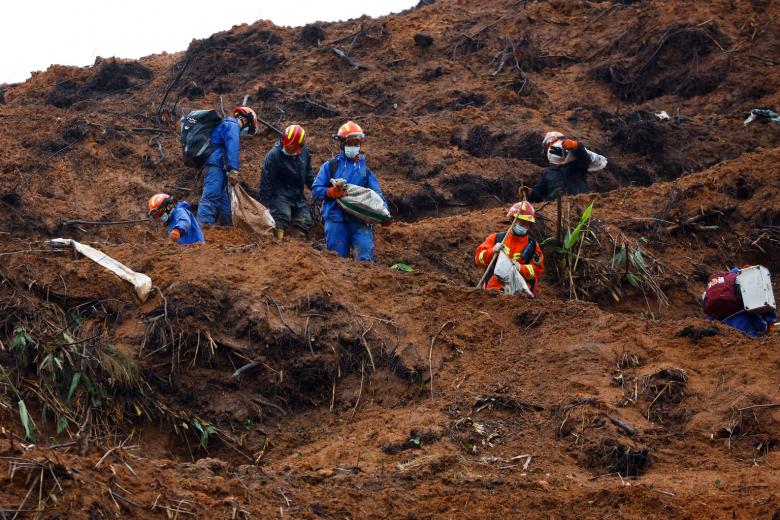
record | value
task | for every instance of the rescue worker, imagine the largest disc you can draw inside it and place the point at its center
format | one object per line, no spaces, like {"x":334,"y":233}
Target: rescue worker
{"x":527,"y":258}
{"x":221,"y":168}
{"x":343,"y":232}
{"x":570,"y":163}
{"x":183,"y":228}
{"x":286,"y":171}
{"x":722,"y":301}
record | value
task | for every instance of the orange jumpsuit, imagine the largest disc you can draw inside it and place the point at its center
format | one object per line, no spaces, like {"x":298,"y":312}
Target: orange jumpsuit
{"x":530,"y":271}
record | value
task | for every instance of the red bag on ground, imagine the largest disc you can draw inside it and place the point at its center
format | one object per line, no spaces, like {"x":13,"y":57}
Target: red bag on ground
{"x":722,"y":298}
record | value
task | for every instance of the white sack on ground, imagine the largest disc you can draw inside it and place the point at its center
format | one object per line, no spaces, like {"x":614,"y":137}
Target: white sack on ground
{"x":141,"y":282}
{"x":248,"y":214}
{"x":508,"y":274}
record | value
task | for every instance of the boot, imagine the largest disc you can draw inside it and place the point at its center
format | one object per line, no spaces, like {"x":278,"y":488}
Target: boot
{"x":279,"y":233}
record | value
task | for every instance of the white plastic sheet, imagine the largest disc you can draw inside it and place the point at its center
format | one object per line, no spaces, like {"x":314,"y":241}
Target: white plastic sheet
{"x":141,"y":282}
{"x":508,"y":273}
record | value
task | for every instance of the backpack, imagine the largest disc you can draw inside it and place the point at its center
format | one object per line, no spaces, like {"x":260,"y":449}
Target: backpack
{"x":196,"y":128}
{"x":723,"y":298}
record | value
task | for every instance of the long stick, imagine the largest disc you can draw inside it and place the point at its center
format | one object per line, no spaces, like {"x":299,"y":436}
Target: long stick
{"x":269,"y":125}
{"x":495,"y":255}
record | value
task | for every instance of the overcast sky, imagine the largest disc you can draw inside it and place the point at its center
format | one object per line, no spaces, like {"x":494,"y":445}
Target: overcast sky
{"x":37,"y":33}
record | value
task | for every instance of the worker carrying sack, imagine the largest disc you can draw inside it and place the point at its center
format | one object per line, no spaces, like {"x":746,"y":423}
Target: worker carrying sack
{"x":722,"y":298}
{"x":362,"y":203}
{"x":196,"y":128}
{"x":248,"y":214}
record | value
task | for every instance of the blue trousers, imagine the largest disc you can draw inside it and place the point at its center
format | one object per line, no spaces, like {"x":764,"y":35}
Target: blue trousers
{"x":343,"y":236}
{"x":214,"y":205}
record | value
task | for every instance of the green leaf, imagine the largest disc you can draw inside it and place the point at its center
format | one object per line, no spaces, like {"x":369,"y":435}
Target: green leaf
{"x":21,"y":338}
{"x":93,"y":391}
{"x":402,"y":267}
{"x":29,"y":425}
{"x":67,"y":338}
{"x":74,"y":383}
{"x":634,"y":280}
{"x":619,"y":260}
{"x":205,"y":429}
{"x":572,"y":239}
{"x":62,"y":423}
{"x":636,"y":258}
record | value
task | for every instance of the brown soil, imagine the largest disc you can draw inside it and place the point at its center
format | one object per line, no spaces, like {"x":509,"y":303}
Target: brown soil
{"x":376,"y":393}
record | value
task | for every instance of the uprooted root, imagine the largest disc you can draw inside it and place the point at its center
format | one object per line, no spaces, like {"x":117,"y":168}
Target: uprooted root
{"x":596,"y":442}
{"x":663,"y":392}
{"x":751,"y":430}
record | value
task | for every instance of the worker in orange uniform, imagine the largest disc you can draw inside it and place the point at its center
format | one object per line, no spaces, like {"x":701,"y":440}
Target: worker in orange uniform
{"x":520,"y":255}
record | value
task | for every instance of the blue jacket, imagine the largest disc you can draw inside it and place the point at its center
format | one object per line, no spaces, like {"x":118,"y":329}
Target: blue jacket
{"x":354,"y":172}
{"x":226,"y":136}
{"x":183,"y":220}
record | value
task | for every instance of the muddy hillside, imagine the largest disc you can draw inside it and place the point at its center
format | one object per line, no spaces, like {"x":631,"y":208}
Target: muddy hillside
{"x":273,"y":379}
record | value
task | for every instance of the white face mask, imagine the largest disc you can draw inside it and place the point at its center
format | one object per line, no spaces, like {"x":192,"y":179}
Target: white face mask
{"x":165,"y":216}
{"x":519,"y":230}
{"x":351,"y":151}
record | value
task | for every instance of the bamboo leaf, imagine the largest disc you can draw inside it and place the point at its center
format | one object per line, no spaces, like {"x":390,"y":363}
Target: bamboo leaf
{"x":572,"y":239}
{"x":619,"y":260}
{"x":29,"y":425}
{"x":62,"y":423}
{"x":634,"y":280}
{"x":636,"y":258}
{"x":74,"y":382}
{"x":402,"y":267}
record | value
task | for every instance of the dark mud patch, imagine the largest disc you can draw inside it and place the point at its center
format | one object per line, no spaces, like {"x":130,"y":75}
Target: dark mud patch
{"x":246,"y":54}
{"x":111,"y":76}
{"x":672,"y":61}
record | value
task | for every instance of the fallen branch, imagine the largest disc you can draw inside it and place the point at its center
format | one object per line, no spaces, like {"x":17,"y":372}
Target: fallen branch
{"x":697,"y":218}
{"x":623,"y":426}
{"x":773,"y":405}
{"x":360,"y":393}
{"x":156,"y":141}
{"x":343,"y":55}
{"x":21,"y":251}
{"x":244,"y":368}
{"x":102,"y":222}
{"x":269,"y":126}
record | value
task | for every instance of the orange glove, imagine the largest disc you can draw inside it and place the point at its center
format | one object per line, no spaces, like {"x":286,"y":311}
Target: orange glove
{"x":570,"y":144}
{"x":336,"y":192}
{"x":174,"y":236}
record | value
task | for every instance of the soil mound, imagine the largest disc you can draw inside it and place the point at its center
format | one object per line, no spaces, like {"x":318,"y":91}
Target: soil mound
{"x":265,"y":378}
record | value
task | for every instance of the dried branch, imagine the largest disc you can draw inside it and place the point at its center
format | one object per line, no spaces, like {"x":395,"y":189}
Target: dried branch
{"x":343,"y":55}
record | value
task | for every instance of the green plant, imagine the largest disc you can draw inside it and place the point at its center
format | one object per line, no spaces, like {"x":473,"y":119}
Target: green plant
{"x":205,"y":429}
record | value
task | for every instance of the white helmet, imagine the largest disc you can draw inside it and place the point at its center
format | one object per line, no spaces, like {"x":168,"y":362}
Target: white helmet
{"x":550,"y":137}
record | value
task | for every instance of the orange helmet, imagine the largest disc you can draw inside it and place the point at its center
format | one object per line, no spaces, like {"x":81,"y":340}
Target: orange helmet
{"x":158,"y":204}
{"x":522,"y":211}
{"x":350,"y":129}
{"x":292,"y":139}
{"x":249,"y":116}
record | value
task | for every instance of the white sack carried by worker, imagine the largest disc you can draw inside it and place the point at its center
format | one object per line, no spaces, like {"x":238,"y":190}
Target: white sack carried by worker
{"x":362,"y":203}
{"x":248,"y":214}
{"x":141,"y":282}
{"x":508,"y":273}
